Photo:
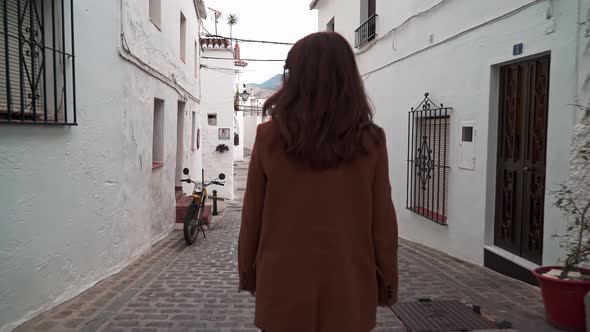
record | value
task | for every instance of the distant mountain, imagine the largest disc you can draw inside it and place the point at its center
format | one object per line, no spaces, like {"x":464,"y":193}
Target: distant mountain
{"x":272,"y":83}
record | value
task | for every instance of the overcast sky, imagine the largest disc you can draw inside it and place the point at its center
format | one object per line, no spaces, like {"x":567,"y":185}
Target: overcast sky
{"x":274,"y":20}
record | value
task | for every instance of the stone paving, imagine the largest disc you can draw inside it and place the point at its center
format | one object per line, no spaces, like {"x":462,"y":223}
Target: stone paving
{"x":174,"y":287}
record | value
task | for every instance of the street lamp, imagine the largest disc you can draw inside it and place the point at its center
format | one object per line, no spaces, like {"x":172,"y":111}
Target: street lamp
{"x":245,"y":94}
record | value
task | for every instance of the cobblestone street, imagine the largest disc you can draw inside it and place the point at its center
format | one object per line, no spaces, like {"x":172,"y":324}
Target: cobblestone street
{"x":178,"y":288}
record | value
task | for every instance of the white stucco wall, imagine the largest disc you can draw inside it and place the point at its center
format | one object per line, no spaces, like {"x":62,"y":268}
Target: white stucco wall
{"x":80,"y":203}
{"x":251,"y":123}
{"x":454,"y":54}
{"x":218,"y":98}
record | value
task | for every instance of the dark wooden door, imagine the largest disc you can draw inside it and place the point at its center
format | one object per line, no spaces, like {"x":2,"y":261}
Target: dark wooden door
{"x":372,"y":8}
{"x":522,"y":145}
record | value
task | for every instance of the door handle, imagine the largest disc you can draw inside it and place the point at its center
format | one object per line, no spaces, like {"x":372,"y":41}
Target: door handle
{"x":527,"y":169}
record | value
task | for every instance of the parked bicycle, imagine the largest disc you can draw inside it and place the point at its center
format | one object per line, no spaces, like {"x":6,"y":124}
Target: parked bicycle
{"x":193,"y":220}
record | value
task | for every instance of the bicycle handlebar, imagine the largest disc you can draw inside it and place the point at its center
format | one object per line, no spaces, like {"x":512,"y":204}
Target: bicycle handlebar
{"x":206,"y":184}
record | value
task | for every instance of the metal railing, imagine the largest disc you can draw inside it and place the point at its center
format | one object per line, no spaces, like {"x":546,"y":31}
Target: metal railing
{"x":366,"y":32}
{"x":428,"y":161}
{"x":251,"y":110}
{"x":37,"y":63}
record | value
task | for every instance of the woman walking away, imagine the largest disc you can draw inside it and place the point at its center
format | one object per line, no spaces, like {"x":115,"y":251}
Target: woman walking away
{"x":318,"y":242}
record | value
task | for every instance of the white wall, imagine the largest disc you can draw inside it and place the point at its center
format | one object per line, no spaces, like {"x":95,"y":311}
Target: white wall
{"x":218,"y":98}
{"x":80,"y":203}
{"x":251,"y":123}
{"x":458,"y":68}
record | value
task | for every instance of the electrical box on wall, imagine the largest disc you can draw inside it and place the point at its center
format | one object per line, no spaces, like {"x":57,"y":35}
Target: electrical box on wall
{"x":467,"y":146}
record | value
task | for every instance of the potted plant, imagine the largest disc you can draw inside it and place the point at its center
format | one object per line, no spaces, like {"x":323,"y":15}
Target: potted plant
{"x":564,"y":287}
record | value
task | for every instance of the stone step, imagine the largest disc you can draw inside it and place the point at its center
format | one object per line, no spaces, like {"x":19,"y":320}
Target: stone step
{"x":182,"y":206}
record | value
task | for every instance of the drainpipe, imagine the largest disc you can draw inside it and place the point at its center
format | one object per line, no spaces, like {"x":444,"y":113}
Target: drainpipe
{"x":583,"y":79}
{"x":578,"y":42}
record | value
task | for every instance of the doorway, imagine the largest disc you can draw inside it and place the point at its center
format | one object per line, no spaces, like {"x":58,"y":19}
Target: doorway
{"x":522,"y":147}
{"x":179,"y":142}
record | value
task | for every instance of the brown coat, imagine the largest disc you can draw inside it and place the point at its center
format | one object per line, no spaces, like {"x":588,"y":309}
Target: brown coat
{"x":318,"y":248}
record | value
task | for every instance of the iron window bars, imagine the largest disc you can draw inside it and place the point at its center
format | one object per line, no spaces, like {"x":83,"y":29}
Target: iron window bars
{"x":428,"y":160}
{"x":366,"y":32}
{"x":37,"y":66}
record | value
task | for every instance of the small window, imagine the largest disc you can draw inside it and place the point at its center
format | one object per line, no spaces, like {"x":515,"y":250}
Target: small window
{"x":182,"y":37}
{"x":331,"y":26}
{"x":212,"y":119}
{"x":193,"y":132}
{"x":158,"y":134}
{"x":467,"y":134}
{"x":156,"y":13}
{"x":428,"y":161}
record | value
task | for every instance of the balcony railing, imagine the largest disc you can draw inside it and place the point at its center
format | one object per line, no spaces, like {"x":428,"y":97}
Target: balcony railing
{"x":366,"y":32}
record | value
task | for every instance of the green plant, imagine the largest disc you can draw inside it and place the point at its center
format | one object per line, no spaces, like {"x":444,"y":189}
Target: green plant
{"x":573,"y":199}
{"x":232,"y":19}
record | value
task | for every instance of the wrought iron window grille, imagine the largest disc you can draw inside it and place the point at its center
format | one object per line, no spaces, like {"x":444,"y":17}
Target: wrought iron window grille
{"x":37,"y":63}
{"x":428,"y":160}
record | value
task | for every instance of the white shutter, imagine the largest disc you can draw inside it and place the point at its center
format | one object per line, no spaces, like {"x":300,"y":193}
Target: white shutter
{"x":434,"y":140}
{"x":30,"y":65}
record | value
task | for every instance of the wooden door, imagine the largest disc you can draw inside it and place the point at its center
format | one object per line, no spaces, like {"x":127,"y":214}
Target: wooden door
{"x":522,"y":145}
{"x":372,"y":8}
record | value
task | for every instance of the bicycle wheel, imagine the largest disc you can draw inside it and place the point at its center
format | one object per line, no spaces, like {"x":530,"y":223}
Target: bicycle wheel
{"x":191,"y":219}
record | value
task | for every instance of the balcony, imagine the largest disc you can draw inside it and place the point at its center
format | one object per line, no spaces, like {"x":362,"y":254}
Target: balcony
{"x":366,"y":32}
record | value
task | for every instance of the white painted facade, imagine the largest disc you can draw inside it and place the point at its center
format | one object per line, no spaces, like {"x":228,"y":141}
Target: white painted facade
{"x":80,"y":203}
{"x":453,"y":49}
{"x":251,"y":123}
{"x":218,"y":100}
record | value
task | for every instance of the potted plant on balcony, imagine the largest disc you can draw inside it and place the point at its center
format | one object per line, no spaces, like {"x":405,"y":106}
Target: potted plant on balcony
{"x":564,"y":287}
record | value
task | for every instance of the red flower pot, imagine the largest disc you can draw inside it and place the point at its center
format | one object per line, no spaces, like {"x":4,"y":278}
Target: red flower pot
{"x":564,"y":299}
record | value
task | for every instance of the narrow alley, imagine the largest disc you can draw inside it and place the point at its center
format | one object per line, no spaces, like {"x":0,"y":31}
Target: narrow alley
{"x":179,"y":288}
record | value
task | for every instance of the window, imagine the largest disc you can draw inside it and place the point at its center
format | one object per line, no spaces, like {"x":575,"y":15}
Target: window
{"x":212,"y":119}
{"x":368,"y":9}
{"x":37,"y":62}
{"x":182,"y":37}
{"x":368,"y":29}
{"x":193,"y":133}
{"x":467,"y":134}
{"x":158,"y":134}
{"x":196,"y":59}
{"x":156,"y":13}
{"x":428,"y":161}
{"x":331,"y":26}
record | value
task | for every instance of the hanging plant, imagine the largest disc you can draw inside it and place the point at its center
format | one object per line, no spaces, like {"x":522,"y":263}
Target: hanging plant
{"x":221,"y":148}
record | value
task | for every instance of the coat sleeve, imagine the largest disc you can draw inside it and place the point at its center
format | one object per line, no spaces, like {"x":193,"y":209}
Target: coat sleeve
{"x":385,"y":233}
{"x":251,"y":219}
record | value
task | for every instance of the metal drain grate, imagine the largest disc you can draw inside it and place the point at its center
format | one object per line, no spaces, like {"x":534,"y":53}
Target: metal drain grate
{"x":440,"y":316}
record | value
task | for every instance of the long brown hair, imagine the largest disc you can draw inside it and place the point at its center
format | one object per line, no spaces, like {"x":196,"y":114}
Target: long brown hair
{"x":321,"y":112}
